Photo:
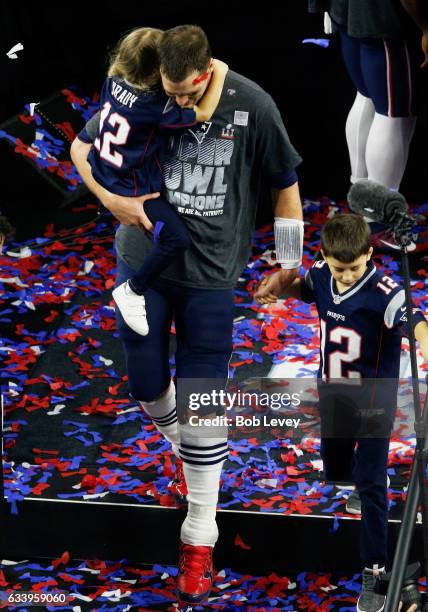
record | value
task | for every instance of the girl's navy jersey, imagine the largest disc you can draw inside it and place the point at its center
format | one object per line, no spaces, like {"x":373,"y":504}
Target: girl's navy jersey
{"x":360,"y":329}
{"x":132,"y":137}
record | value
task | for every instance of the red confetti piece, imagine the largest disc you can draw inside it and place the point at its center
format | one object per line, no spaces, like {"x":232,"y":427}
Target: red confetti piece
{"x":239,"y":542}
{"x":64,"y":559}
{"x":68,"y":578}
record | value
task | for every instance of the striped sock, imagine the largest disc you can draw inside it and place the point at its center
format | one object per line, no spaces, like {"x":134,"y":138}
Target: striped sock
{"x":163,"y":413}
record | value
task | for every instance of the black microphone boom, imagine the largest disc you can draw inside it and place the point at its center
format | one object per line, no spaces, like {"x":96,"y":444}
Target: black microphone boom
{"x":377,"y":202}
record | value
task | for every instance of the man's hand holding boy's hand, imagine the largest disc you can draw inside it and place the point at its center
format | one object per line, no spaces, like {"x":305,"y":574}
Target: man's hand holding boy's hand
{"x":271,"y":287}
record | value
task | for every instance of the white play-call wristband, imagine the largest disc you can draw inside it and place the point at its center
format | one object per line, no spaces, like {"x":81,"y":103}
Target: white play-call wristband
{"x":288,"y":242}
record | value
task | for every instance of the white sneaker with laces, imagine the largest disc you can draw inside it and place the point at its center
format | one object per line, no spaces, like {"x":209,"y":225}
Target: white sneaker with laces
{"x":132,"y":308}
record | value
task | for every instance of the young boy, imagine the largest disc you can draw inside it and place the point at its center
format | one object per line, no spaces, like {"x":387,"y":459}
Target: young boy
{"x":361,"y":311}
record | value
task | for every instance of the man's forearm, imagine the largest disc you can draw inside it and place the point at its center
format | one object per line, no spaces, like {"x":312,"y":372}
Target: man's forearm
{"x":79,"y":152}
{"x":287,"y":203}
{"x":419,"y":16}
{"x":128,"y":210}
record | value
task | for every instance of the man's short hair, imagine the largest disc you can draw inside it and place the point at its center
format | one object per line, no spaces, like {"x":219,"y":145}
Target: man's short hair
{"x":346,"y":237}
{"x":183,"y":50}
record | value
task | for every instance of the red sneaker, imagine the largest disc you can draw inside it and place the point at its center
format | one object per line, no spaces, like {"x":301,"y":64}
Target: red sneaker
{"x":178,"y":486}
{"x":195,"y":573}
{"x":383,"y":239}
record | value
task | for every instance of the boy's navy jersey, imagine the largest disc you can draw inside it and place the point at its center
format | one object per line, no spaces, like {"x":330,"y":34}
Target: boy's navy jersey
{"x":132,"y":136}
{"x":360,"y":328}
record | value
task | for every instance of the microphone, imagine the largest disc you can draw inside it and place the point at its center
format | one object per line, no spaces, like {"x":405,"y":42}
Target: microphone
{"x":377,"y":202}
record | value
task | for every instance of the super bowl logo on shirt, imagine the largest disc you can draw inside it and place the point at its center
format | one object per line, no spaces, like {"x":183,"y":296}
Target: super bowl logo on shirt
{"x":194,"y":175}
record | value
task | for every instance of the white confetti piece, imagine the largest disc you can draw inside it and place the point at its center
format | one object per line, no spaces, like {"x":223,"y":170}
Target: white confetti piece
{"x":297,"y":451}
{"x":8,"y":562}
{"x":267,"y":483}
{"x":107,"y":362}
{"x":329,"y":588}
{"x":223,"y":586}
{"x":32,"y":107}
{"x":96,"y":495}
{"x":15,"y":280}
{"x":29,"y":305}
{"x":88,"y":267}
{"x":21,"y":254}
{"x":56,"y":410}
{"x":115,"y":595}
{"x":311,"y":491}
{"x":12,"y":52}
{"x":37,"y":350}
{"x":133,"y":409}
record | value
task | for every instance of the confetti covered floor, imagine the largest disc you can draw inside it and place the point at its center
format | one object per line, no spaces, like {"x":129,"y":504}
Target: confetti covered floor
{"x":120,"y":586}
{"x":71,"y":431}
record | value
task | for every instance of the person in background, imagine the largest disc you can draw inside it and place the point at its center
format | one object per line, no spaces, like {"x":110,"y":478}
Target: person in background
{"x":381,"y":51}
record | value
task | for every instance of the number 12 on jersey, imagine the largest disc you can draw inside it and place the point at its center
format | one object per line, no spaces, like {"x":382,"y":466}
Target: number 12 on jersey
{"x":107,"y":140}
{"x":336,"y":359}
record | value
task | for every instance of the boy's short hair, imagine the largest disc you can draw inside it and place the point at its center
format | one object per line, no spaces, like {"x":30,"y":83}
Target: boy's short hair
{"x":136,"y":58}
{"x":346,"y":237}
{"x":183,"y":50}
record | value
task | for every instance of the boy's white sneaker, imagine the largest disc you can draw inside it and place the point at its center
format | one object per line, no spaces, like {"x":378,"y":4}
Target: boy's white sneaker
{"x":132,"y":308}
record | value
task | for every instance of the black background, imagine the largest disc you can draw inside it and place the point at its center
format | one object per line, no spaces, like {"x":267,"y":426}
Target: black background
{"x":67,"y":43}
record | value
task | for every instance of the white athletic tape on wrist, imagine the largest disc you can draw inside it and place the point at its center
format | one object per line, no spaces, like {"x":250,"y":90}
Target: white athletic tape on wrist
{"x":288,"y":242}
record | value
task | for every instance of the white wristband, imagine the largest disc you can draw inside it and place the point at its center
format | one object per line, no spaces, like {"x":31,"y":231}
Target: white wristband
{"x":288,"y":242}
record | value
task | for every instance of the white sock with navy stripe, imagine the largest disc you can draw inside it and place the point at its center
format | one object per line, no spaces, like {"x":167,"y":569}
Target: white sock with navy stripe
{"x":163,"y":413}
{"x":387,"y":149}
{"x":203,"y":460}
